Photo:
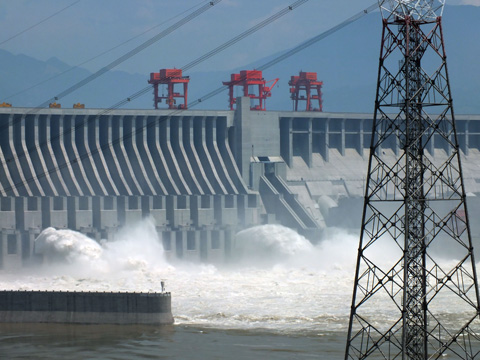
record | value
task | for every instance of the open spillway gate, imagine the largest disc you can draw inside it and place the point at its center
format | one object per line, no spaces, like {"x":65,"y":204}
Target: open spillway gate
{"x":95,"y":174}
{"x":75,"y":169}
{"x":200,"y":175}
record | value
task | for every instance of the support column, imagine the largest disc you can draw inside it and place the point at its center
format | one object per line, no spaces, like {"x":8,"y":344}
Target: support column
{"x":326,"y":147}
{"x":310,"y":146}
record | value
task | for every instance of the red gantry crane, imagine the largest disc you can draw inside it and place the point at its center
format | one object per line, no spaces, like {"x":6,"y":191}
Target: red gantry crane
{"x":306,"y":87}
{"x":250,"y":79}
{"x":169,"y":77}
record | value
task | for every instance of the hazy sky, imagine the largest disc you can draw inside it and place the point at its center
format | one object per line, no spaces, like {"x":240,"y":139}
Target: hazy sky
{"x":92,"y":26}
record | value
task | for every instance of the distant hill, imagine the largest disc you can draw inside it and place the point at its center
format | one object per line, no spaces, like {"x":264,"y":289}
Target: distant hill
{"x":19,"y":72}
{"x":347,"y":62}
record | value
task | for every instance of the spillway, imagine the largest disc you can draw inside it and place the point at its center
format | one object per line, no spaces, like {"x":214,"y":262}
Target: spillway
{"x":200,"y":175}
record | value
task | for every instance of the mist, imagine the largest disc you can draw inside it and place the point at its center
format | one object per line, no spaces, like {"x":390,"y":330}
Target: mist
{"x":277,"y":279}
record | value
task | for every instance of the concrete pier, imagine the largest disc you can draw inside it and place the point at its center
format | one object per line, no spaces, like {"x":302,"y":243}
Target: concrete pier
{"x":85,"y":307}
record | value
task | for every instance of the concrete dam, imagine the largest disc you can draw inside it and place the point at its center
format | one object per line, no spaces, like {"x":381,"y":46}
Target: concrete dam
{"x":201,"y":175}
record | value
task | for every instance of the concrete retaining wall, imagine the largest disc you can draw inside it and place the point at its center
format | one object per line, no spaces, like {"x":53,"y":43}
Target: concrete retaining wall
{"x":85,"y":307}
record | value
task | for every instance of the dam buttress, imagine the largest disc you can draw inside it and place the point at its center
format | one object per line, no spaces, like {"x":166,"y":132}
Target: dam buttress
{"x":200,"y":175}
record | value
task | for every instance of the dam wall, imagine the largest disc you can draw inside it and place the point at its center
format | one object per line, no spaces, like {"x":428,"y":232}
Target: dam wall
{"x":323,"y":159}
{"x":85,"y":307}
{"x":97,"y":172}
{"x":327,"y":160}
{"x":201,"y":176}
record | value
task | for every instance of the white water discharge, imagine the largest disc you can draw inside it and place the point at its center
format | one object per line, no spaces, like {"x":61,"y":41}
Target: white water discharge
{"x":278,"y":280}
{"x":67,"y":245}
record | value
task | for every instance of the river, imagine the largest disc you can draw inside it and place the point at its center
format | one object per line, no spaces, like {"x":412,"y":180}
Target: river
{"x":280,"y":298}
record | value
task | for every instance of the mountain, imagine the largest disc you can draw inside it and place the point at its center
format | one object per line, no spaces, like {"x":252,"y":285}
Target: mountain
{"x":20,"y":72}
{"x":346,"y":62}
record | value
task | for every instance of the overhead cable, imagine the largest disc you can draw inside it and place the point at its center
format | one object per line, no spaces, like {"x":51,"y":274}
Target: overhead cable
{"x":215,"y":51}
{"x":243,"y":35}
{"x":141,"y":92}
{"x":295,"y":50}
{"x":103,"y":53}
{"x":133,"y":52}
{"x":40,"y":22}
{"x":121,"y":59}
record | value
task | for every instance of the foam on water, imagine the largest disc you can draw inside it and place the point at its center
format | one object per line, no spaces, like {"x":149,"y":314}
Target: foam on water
{"x":279,"y":280}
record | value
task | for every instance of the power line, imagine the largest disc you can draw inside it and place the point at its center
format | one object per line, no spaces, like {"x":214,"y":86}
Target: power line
{"x":102,"y":53}
{"x":295,"y":50}
{"x":267,"y":65}
{"x":40,"y":22}
{"x":243,"y":35}
{"x":319,"y":37}
{"x":121,"y":59}
{"x":133,"y":52}
{"x":141,"y":92}
{"x":215,"y":51}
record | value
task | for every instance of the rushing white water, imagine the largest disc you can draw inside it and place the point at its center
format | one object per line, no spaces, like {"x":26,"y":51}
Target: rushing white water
{"x":278,"y":281}
{"x":67,"y":245}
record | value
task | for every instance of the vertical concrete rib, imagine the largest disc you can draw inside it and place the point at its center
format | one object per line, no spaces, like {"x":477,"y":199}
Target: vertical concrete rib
{"x":309,"y":146}
{"x":8,"y":185}
{"x":342,"y":138}
{"x":176,"y":139}
{"x":157,"y":153}
{"x":89,"y":156}
{"x":63,"y":153}
{"x":194,"y":158}
{"x":217,"y":158}
{"x":43,"y":172}
{"x":200,"y":139}
{"x":14,"y":165}
{"x":127,"y":172}
{"x":326,"y":149}
{"x":101,"y":150}
{"x":431,"y":145}
{"x":76,"y":161}
{"x":361,"y":139}
{"x":397,"y":143}
{"x":113,"y":171}
{"x":226,"y":153}
{"x":172,"y":162}
{"x":26,"y":161}
{"x":144,"y":158}
{"x":51,"y":161}
{"x":286,"y":140}
{"x":6,"y":182}
{"x":145,"y":153}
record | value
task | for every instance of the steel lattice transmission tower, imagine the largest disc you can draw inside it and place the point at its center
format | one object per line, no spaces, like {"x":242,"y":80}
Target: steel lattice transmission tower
{"x":410,"y":299}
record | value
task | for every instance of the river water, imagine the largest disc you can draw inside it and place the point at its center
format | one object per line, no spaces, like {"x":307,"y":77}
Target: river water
{"x":281,"y":298}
